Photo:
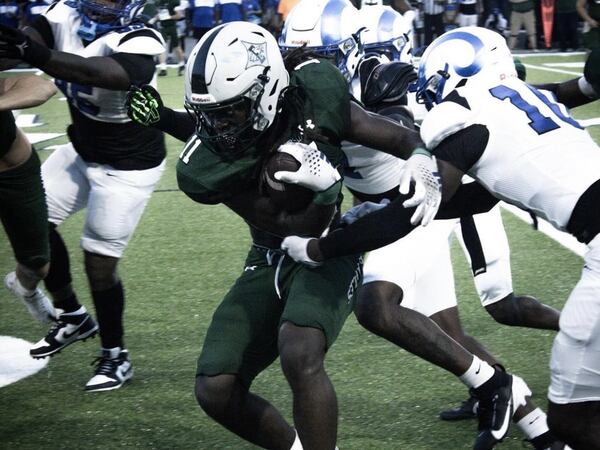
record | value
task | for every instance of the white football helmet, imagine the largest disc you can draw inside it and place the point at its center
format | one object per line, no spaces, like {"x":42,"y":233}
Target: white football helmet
{"x":99,"y":17}
{"x":387,"y":33}
{"x":233,"y":80}
{"x":467,"y":53}
{"x":329,"y":28}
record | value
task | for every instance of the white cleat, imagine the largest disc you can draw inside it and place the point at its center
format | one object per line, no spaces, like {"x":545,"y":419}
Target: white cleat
{"x":38,"y":305}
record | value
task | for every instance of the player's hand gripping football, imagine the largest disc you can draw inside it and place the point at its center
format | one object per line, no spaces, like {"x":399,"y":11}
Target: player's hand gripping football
{"x":422,"y":168}
{"x":14,"y":44}
{"x":144,"y":105}
{"x":315,"y":173}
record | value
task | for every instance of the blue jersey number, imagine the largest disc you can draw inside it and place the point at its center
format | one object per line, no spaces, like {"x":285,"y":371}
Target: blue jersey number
{"x":73,"y":92}
{"x":537,"y":121}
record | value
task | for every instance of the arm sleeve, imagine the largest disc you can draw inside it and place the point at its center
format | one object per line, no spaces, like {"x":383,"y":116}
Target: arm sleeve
{"x":469,"y":199}
{"x":375,"y":230}
{"x":463,"y":148}
{"x":140,"y":68}
{"x":177,"y":124}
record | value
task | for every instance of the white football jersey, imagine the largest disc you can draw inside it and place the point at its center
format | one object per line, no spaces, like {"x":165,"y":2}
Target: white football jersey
{"x":96,"y":103}
{"x":537,"y":156}
{"x":370,"y":171}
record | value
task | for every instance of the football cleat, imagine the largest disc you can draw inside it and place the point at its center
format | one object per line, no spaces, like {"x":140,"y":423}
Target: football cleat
{"x":162,"y":73}
{"x":113,"y":369}
{"x":180,"y":70}
{"x":38,"y":305}
{"x":466,"y":410}
{"x":69,"y":328}
{"x":497,"y":405}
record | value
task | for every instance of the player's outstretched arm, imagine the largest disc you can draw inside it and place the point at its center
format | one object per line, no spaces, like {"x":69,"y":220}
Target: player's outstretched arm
{"x":24,"y":92}
{"x":378,"y":132}
{"x":103,"y":71}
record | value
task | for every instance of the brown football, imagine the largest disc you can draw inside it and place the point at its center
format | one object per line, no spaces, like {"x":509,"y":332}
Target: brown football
{"x":289,"y":197}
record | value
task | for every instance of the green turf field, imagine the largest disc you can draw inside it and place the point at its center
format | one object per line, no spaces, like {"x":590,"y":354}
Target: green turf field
{"x":175,"y":271}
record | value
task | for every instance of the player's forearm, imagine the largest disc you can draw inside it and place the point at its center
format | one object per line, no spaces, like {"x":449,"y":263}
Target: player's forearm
{"x":372,"y":231}
{"x":25,"y":92}
{"x":102,"y":72}
{"x":177,"y":124}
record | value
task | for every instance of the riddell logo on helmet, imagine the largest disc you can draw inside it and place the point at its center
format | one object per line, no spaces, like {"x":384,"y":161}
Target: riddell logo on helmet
{"x":199,"y":98}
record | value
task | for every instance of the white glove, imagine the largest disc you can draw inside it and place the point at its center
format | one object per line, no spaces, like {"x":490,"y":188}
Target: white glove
{"x":296,"y":248}
{"x":428,"y":188}
{"x":358,"y":211}
{"x":315,"y":173}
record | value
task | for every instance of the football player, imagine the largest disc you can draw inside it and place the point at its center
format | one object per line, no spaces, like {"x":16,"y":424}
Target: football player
{"x":417,"y":270}
{"x":95,"y":49}
{"x":22,"y":205}
{"x":246,"y":103}
{"x":526,"y":149}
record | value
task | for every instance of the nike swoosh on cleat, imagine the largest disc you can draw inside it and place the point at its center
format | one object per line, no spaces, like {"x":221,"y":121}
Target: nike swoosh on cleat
{"x":478,"y":369}
{"x":501,"y":432}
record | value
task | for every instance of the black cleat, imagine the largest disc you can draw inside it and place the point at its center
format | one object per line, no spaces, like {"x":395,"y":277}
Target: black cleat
{"x":70,"y":327}
{"x":466,"y":410}
{"x":113,"y":369}
{"x":498,"y":398}
{"x":546,"y":441}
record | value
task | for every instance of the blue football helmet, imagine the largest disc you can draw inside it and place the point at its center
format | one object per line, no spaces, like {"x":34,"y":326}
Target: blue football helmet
{"x":330,"y":28}
{"x":387,"y":33}
{"x":98,"y":17}
{"x":472,"y":54}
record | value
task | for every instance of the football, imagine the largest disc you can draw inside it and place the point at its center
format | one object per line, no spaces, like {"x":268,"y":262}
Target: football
{"x":289,"y":197}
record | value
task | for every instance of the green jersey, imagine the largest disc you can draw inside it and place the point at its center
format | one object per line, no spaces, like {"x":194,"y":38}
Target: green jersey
{"x":209,"y":178}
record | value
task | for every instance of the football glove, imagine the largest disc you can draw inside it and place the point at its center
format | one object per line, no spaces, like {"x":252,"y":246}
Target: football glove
{"x":359,"y":211}
{"x":315,"y":173}
{"x":14,"y":44}
{"x":422,"y":168}
{"x":297,"y":248}
{"x":144,"y":105}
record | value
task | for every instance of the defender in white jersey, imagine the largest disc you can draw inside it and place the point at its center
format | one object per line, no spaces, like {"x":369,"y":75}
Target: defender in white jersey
{"x":95,"y":50}
{"x":417,"y":270}
{"x":527,"y":150}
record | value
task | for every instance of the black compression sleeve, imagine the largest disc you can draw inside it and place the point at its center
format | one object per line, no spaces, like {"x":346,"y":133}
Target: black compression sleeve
{"x":177,"y":124}
{"x":469,"y":199}
{"x":140,"y":68}
{"x":375,"y":230}
{"x":463,"y":148}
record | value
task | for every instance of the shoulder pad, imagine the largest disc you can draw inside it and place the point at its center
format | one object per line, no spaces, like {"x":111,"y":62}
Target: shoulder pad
{"x":386,"y":82}
{"x":444,"y":120}
{"x":141,"y":41}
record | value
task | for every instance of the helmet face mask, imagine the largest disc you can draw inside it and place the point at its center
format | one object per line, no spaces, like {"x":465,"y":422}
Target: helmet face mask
{"x":467,"y":54}
{"x":99,"y":17}
{"x":233,"y":82}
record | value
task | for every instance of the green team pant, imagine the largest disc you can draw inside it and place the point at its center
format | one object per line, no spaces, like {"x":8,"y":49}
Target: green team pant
{"x":24,"y":214}
{"x":272,"y":289}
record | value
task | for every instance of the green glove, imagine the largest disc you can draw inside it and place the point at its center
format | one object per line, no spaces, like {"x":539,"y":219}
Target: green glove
{"x":591,"y":71}
{"x":144,"y":105}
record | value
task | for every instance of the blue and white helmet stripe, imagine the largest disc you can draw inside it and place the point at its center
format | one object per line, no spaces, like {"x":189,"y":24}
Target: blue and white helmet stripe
{"x":331,"y":25}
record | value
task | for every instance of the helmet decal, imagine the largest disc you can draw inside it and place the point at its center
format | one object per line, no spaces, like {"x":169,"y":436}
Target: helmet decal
{"x":257,"y":54}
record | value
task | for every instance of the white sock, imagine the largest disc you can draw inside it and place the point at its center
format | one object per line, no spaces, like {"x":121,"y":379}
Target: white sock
{"x":533,"y":424}
{"x":162,"y":66}
{"x":586,"y":88}
{"x":297,"y":445}
{"x":477,"y":374}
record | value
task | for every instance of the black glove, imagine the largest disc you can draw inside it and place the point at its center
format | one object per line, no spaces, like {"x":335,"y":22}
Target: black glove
{"x":144,"y":105}
{"x":14,"y":44}
{"x":591,"y":71}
